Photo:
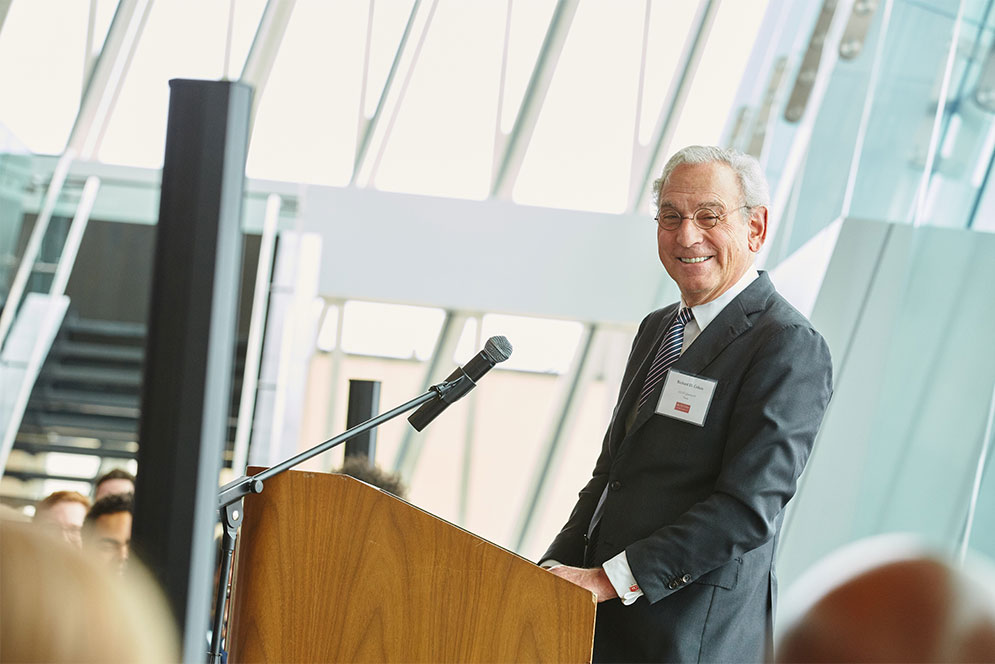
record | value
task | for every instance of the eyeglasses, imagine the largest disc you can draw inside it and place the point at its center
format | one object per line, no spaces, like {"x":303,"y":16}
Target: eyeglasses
{"x":704,"y":218}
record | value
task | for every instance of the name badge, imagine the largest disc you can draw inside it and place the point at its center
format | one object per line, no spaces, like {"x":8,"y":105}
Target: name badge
{"x":686,"y":397}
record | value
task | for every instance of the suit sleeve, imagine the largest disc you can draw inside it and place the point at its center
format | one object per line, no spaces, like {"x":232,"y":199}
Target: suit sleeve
{"x":773,"y":425}
{"x":568,"y":546}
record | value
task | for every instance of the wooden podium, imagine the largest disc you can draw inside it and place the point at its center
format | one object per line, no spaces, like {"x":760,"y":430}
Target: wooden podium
{"x":329,"y":569}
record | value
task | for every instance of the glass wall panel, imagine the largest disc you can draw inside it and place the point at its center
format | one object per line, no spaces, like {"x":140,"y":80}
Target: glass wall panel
{"x":910,"y":331}
{"x":877,"y":132}
{"x":15,"y":177}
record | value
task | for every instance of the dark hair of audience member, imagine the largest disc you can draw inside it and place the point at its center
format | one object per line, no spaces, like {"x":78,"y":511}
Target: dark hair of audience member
{"x":359,"y":467}
{"x":112,"y":504}
{"x":115,"y":474}
{"x":117,"y":480}
{"x":60,"y":606}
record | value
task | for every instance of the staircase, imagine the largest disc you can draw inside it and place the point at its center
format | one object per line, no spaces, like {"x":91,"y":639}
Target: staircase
{"x":87,"y":402}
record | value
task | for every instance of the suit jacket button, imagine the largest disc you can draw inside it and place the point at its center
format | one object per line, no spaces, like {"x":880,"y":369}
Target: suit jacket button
{"x":685,"y":578}
{"x":672,"y":585}
{"x":587,"y":540}
{"x":615,"y":486}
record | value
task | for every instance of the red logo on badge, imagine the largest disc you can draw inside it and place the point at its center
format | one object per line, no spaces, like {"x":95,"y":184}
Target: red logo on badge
{"x":683,"y":407}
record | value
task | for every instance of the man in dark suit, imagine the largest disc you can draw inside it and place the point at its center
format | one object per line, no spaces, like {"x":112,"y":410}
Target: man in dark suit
{"x":721,"y":399}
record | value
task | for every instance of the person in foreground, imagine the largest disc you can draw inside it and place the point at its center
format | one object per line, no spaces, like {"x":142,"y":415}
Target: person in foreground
{"x":720,"y":402}
{"x":891,"y":598}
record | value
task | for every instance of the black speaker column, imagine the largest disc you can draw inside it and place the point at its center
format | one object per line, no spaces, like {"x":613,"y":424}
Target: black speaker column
{"x":364,"y":404}
{"x":190,"y":346}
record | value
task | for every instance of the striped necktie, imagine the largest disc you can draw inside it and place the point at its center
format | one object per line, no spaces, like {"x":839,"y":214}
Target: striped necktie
{"x":666,"y":355}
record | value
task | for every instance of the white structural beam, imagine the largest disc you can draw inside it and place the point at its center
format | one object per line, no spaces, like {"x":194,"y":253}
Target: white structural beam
{"x":509,"y":149}
{"x":107,"y":77}
{"x":265,"y":46}
{"x":456,"y":254}
{"x":490,"y":255}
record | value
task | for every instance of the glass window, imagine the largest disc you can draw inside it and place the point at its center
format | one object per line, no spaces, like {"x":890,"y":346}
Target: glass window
{"x":443,"y":139}
{"x":540,"y":344}
{"x":43,"y":55}
{"x":307,"y":117}
{"x":595,"y":85}
{"x":182,"y":39}
{"x":390,"y":330}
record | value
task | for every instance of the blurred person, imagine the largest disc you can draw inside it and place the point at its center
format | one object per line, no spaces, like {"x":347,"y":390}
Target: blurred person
{"x":360,"y":467}
{"x":113,"y":481}
{"x":722,"y":397}
{"x":63,"y":512}
{"x":60,"y":606}
{"x":107,"y":529}
{"x":890,"y":599}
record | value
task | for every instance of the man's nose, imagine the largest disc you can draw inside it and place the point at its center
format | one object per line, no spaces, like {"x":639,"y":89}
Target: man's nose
{"x":688,"y":234}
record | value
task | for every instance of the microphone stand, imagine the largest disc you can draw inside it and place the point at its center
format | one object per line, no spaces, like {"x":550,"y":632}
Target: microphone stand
{"x":231,"y":494}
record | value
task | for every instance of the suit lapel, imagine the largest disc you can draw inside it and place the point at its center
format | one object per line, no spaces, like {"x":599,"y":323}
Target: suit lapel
{"x":732,"y":321}
{"x":635,"y":385}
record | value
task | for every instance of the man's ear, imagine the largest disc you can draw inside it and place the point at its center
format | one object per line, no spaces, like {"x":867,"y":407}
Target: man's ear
{"x":757,"y":228}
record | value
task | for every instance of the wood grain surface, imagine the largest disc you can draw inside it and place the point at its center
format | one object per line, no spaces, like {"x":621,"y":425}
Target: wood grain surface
{"x":329,"y":569}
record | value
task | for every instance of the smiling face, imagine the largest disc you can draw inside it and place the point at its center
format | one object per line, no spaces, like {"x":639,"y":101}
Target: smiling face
{"x":706,"y":263}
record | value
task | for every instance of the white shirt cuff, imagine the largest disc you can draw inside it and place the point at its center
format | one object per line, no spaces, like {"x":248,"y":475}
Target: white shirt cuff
{"x":550,"y":563}
{"x":621,"y":578}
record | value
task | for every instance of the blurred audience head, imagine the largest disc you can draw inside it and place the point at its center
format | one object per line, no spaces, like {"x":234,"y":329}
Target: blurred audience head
{"x":63,"y":513}
{"x":360,"y":467}
{"x":60,"y":606}
{"x":114,"y":481}
{"x":107,"y":530}
{"x":890,"y":599}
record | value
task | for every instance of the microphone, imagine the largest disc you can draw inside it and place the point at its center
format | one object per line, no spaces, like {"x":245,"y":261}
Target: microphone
{"x":461,"y":381}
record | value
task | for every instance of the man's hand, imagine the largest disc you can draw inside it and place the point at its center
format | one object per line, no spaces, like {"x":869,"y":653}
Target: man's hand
{"x":593,"y":579}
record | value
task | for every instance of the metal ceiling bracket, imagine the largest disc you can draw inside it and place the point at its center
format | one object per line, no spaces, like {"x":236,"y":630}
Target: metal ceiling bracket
{"x":763,"y":117}
{"x":809,"y":70}
{"x":855,"y":33}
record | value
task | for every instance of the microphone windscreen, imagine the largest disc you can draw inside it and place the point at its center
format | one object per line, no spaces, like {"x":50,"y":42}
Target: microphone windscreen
{"x":498,"y":349}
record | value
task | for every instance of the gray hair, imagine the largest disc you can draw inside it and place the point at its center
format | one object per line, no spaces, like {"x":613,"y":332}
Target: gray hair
{"x":752,"y":182}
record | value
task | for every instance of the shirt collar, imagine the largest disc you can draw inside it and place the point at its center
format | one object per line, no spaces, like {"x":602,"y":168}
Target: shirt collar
{"x":706,"y":313}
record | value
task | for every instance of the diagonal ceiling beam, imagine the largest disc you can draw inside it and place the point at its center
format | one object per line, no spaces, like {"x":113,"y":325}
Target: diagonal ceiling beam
{"x":509,"y":149}
{"x":374,"y":131}
{"x":265,"y":46}
{"x":563,"y":412}
{"x":107,"y":77}
{"x":409,"y":453}
{"x":644,"y":157}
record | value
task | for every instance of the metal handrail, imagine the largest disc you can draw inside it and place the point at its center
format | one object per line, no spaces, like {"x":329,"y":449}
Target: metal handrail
{"x":33,"y":247}
{"x":254,"y":346}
